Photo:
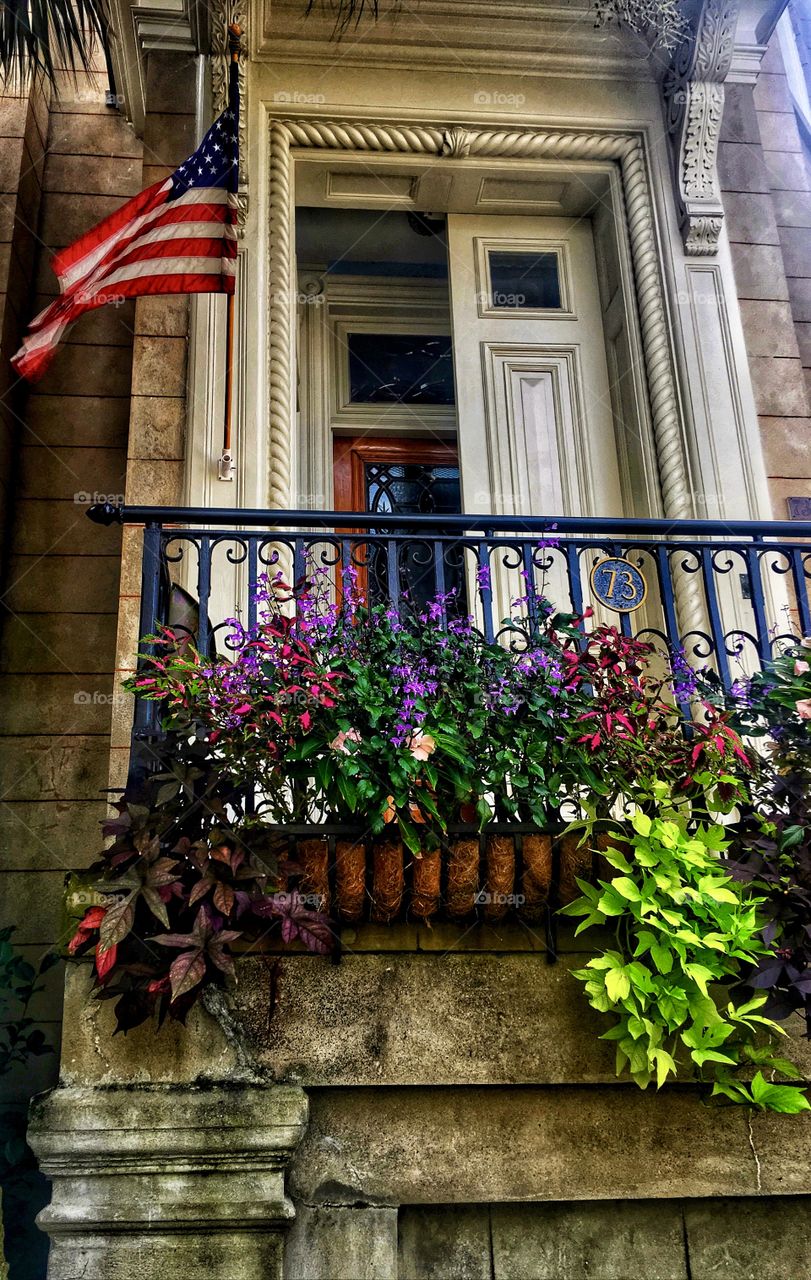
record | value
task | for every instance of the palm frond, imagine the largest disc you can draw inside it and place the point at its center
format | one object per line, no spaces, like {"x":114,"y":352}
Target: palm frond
{"x":347,"y":12}
{"x":663,"y":21}
{"x":42,"y":37}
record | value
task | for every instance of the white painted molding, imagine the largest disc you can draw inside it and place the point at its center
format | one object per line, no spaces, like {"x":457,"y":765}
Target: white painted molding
{"x":625,"y":148}
{"x":543,"y":457}
{"x":169,"y":25}
{"x":327,"y":308}
{"x":281,"y":318}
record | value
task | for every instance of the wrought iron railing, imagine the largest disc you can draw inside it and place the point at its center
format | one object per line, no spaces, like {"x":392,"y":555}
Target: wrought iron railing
{"x":722,"y":594}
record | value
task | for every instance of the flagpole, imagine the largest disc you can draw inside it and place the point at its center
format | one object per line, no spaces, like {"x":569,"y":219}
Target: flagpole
{"x":225,"y":468}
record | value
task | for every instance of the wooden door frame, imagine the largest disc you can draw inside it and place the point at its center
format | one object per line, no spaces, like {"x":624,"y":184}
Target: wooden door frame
{"x":351,"y":453}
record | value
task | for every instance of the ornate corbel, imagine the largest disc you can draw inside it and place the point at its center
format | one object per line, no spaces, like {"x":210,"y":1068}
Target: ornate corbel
{"x":694,"y":101}
{"x":223,"y":14}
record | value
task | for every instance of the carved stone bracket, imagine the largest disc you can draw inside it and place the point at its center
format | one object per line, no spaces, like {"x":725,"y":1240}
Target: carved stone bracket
{"x":223,"y":13}
{"x":694,"y":101}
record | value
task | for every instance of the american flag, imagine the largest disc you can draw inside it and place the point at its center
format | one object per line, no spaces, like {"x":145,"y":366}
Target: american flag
{"x":176,"y":237}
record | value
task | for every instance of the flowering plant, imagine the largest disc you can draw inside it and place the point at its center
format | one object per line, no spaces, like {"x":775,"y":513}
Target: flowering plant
{"x":774,"y":852}
{"x":411,"y":716}
{"x":359,"y":712}
{"x":633,"y":730}
{"x":371,"y":716}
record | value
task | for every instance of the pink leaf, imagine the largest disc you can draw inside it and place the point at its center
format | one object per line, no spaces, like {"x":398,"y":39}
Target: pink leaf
{"x":186,"y":972}
{"x":105,"y":960}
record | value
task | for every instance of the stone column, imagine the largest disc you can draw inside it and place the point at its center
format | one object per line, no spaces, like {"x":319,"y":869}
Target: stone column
{"x":167,"y":1182}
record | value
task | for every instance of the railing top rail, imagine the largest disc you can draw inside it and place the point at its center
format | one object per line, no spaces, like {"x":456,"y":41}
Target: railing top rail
{"x":229,"y":517}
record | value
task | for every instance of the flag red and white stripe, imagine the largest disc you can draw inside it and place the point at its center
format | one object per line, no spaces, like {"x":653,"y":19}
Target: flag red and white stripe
{"x":178,"y":236}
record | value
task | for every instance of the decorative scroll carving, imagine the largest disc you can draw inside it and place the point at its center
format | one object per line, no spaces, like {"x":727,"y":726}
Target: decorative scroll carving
{"x":222,"y":14}
{"x":694,"y":101}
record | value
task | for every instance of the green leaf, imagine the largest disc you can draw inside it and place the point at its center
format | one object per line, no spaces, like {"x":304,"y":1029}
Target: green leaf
{"x":596,"y":917}
{"x":611,"y":904}
{"x":665,"y":1066}
{"x":716,"y":889}
{"x":785,"y":1098}
{"x":348,"y":790}
{"x":700,"y":1056}
{"x":616,"y":859}
{"x":627,"y":888}
{"x":662,"y":957}
{"x":701,"y":975}
{"x":641,"y":823}
{"x":410,"y":835}
{"x":617,"y":984}
{"x":783,"y":1065}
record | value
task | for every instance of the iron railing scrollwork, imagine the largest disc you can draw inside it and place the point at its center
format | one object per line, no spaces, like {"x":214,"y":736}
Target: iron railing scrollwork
{"x":752,"y":577}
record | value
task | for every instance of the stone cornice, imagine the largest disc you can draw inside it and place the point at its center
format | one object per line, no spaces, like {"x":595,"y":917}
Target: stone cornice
{"x":534,"y":38}
{"x":757,"y":20}
{"x":171,"y":25}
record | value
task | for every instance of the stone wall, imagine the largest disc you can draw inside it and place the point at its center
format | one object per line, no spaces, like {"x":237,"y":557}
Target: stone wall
{"x":63,"y":442}
{"x":719,"y":1239}
{"x":59,"y":600}
{"x":23,"y":130}
{"x":464,"y":1120}
{"x":766,"y":185}
{"x":444,"y":1109}
{"x":155,"y":455}
{"x":106,"y":421}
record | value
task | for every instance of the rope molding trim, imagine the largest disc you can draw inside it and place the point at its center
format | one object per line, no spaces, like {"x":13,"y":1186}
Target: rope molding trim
{"x":626,"y":149}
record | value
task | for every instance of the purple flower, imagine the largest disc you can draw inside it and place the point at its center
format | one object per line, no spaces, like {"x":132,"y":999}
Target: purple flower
{"x":548,"y":542}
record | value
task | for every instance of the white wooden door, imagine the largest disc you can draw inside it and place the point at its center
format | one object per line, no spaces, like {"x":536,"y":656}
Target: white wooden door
{"x":536,"y":430}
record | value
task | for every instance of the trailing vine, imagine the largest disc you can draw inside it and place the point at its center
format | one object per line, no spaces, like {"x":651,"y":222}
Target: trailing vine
{"x":684,"y":931}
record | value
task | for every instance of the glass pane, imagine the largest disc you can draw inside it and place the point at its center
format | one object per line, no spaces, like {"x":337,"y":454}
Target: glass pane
{"x":416,"y":489}
{"x":400,"y":368}
{"x":524,"y":281}
{"x":412,"y":488}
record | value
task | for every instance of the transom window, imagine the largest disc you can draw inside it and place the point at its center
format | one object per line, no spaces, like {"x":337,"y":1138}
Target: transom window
{"x":400,"y":368}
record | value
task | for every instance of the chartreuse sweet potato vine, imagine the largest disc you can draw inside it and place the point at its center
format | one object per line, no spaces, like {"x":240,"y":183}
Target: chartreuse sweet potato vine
{"x":684,"y":931}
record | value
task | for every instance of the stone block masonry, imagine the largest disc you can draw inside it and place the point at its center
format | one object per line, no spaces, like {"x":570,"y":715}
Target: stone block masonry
{"x":59,"y":594}
{"x":763,"y":163}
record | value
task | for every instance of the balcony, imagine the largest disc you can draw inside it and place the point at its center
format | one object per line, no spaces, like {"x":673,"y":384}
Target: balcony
{"x":722,"y":597}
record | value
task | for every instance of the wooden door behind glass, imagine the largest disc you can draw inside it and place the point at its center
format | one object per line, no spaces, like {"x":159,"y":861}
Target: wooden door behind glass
{"x":404,"y":477}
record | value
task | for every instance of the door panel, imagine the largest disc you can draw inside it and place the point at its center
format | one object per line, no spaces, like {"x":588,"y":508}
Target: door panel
{"x":536,"y":432}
